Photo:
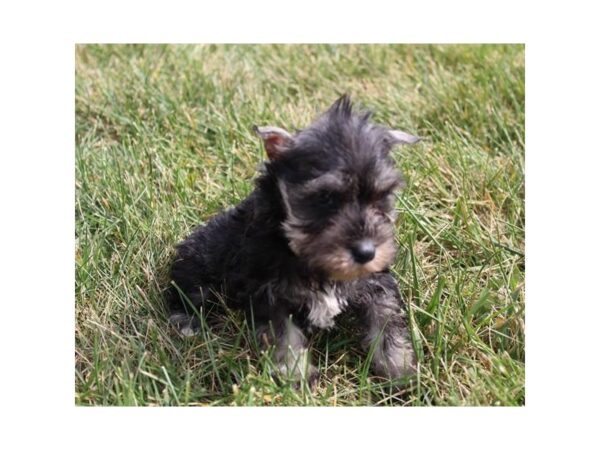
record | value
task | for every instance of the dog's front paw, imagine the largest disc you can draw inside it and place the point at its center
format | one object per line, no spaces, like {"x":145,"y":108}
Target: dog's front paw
{"x":296,"y":368}
{"x":395,"y":361}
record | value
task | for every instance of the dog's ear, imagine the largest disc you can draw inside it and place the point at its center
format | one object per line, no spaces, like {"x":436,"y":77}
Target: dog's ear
{"x":401,"y":138}
{"x":276,"y":140}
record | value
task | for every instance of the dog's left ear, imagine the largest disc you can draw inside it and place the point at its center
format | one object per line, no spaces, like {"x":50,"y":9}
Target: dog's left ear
{"x":401,"y":138}
{"x":275,"y":139}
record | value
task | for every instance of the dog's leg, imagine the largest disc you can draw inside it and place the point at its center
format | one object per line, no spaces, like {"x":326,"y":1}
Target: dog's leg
{"x":191,"y":288}
{"x":185,"y":324}
{"x":387,"y":332}
{"x":183,"y":308}
{"x":291,"y":355}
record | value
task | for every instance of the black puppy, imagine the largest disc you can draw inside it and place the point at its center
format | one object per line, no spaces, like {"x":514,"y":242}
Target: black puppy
{"x":315,"y":237}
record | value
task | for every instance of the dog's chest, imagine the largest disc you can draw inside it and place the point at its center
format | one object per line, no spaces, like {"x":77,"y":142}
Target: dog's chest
{"x":324,"y":306}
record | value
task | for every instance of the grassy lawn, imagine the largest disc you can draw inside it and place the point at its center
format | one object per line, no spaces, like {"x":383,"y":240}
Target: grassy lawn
{"x":164,"y":140}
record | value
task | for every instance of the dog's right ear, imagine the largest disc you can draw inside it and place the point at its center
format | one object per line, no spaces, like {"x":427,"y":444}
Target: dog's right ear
{"x":276,"y":140}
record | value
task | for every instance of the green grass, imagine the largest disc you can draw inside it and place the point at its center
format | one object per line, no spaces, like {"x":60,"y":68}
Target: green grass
{"x":164,"y":141}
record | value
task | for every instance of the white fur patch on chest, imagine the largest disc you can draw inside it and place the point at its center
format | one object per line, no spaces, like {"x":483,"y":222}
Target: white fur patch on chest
{"x":324,"y":307}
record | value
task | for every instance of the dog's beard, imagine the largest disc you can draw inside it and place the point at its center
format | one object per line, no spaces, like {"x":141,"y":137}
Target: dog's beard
{"x":340,"y":264}
{"x":336,"y":261}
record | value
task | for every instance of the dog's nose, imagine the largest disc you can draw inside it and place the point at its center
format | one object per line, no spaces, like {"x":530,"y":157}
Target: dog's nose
{"x":363,"y":251}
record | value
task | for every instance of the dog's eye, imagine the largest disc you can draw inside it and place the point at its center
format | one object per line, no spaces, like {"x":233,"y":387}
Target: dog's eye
{"x":385,"y":200}
{"x":326,"y":199}
{"x":383,"y":195}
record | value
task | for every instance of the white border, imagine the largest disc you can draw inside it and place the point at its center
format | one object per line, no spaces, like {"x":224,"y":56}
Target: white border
{"x":37,"y":186}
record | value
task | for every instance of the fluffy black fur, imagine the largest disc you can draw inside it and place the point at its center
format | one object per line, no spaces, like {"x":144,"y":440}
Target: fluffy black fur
{"x":315,"y":237}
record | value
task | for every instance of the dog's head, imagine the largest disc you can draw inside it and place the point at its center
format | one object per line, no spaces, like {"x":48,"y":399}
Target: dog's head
{"x":337,"y":183}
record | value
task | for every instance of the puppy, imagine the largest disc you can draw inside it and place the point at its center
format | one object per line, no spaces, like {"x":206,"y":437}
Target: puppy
{"x":314,"y":238}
